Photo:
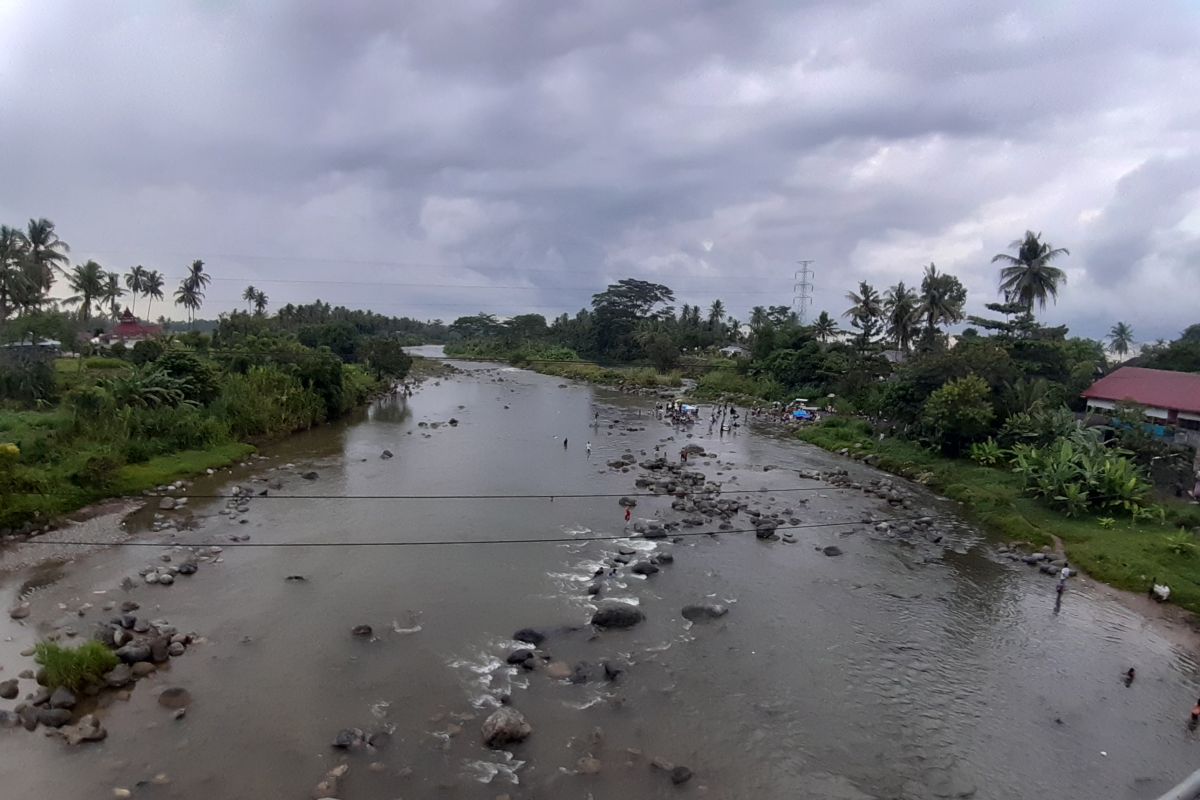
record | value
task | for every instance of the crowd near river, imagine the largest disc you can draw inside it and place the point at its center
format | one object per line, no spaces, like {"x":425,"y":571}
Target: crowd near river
{"x":849,"y":659}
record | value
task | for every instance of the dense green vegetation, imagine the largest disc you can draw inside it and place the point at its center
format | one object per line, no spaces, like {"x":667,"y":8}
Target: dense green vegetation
{"x":121,"y":419}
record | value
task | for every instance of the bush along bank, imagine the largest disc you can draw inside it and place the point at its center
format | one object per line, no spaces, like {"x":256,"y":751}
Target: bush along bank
{"x":1126,"y":546}
{"x":168,"y":412}
{"x":562,"y":362}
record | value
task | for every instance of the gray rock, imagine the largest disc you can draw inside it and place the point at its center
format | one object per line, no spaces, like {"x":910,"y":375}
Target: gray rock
{"x":9,"y":719}
{"x":680,"y":775}
{"x":142,"y":669}
{"x":20,"y":612}
{"x":9,"y":689}
{"x":361,"y":630}
{"x":187,"y":568}
{"x":160,"y":649}
{"x":54,"y":717}
{"x":63,"y":698}
{"x":627,"y":502}
{"x":166,"y":579}
{"x":166,"y":504}
{"x":174,"y":697}
{"x":704,"y":611}
{"x":176,"y":649}
{"x":617,"y":615}
{"x":88,"y":729}
{"x":505,"y":726}
{"x":118,"y":676}
{"x":832,"y":550}
{"x":386,"y":454}
{"x":643,"y":568}
{"x":141,"y":626}
{"x":133,"y":653}
{"x":347,"y":738}
{"x":530,"y":636}
{"x":311,"y":475}
{"x":519,"y":656}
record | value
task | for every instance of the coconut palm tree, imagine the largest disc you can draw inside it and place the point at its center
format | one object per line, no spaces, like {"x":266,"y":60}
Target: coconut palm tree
{"x":901,"y":315}
{"x":824,"y":327}
{"x":45,"y":252}
{"x":87,"y":282}
{"x":942,"y":299}
{"x":758,"y":318}
{"x":1120,"y":338}
{"x":197,"y":277}
{"x":135,"y":281}
{"x":1029,"y":277}
{"x":12,"y":278}
{"x":716,"y":313}
{"x":249,"y":296}
{"x":260,"y":302}
{"x":112,"y":293}
{"x":152,"y":287}
{"x":865,"y":312}
{"x":190,"y":297}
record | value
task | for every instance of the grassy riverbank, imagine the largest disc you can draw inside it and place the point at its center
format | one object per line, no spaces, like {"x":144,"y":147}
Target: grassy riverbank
{"x":1124,"y":555}
{"x":563,"y":362}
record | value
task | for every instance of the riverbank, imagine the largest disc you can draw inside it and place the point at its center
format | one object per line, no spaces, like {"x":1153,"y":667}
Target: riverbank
{"x":1126,"y":555}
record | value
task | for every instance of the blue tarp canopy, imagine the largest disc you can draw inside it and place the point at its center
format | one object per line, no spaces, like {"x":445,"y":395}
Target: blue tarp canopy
{"x":801,"y":414}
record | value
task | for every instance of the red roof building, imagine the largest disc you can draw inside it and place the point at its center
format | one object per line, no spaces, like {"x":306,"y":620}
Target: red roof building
{"x":1170,"y":397}
{"x":130,"y":329}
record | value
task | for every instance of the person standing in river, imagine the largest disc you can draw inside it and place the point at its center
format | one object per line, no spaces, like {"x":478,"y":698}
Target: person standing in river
{"x":564,"y":443}
{"x":588,"y":446}
{"x":1063,"y":574}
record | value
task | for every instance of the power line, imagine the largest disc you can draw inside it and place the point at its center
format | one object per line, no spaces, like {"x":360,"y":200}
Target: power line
{"x":460,"y":542}
{"x":543,"y":496}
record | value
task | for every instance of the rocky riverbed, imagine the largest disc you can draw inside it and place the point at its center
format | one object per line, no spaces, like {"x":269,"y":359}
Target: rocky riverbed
{"x":771,"y":620}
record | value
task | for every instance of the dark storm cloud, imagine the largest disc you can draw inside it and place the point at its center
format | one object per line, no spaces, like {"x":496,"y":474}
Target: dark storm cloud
{"x":555,"y":146}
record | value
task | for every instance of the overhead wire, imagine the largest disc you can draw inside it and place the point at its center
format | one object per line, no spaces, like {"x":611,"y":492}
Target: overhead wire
{"x":464,"y":542}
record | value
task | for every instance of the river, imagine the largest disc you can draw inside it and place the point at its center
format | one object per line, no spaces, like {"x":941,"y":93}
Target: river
{"x":889,"y":672}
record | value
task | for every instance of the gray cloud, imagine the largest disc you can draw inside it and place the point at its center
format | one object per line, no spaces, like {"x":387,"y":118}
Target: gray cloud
{"x":552,"y":147}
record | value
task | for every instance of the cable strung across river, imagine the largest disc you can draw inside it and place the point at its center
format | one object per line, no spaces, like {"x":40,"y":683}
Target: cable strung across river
{"x":461,"y":542}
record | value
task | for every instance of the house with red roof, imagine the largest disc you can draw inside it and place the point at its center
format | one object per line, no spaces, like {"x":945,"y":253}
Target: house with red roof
{"x":130,"y":329}
{"x":1168,"y":398}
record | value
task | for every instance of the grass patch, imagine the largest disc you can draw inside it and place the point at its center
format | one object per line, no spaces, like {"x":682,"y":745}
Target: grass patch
{"x":134,"y":478}
{"x":1124,"y":555}
{"x":640,"y":377}
{"x":74,"y":668}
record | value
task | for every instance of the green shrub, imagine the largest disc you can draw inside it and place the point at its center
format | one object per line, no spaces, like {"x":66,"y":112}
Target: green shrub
{"x":958,"y":413}
{"x":266,"y":401}
{"x":118,"y":350}
{"x":28,"y":382}
{"x":202,"y":377}
{"x":98,"y":469}
{"x":148,"y":387}
{"x":987,"y":453}
{"x":74,"y":668}
{"x":145,"y":351}
{"x":172,"y":429}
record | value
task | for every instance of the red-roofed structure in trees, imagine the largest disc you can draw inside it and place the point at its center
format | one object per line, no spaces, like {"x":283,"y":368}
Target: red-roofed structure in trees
{"x":1169,"y":397}
{"x":130,"y":329}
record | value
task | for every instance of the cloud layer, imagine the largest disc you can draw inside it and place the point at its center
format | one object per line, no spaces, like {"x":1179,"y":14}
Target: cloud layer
{"x":526,"y":153}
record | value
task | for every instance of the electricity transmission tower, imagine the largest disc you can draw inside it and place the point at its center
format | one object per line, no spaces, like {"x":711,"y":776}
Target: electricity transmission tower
{"x":802,"y":289}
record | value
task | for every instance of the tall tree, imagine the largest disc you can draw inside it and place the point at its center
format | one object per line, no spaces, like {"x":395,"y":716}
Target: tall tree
{"x":716,"y":313}
{"x":249,"y":296}
{"x":758,"y":318}
{"x":1120,"y":338}
{"x":901,"y":315}
{"x":260,"y":302}
{"x":865,"y":312}
{"x":190,"y":293}
{"x":942,"y":299}
{"x":617,"y":311}
{"x":87,"y":282}
{"x":135,"y":281}
{"x":152,"y":287}
{"x":824,"y":327}
{"x":12,"y":277}
{"x":1029,"y":277}
{"x":45,"y":252}
{"x":112,"y":293}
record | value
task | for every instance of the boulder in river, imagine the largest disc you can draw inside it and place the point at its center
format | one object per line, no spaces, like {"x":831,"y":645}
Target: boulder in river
{"x":54,"y":717}
{"x":643,"y":568}
{"x":133,"y":653}
{"x":386,"y":454}
{"x":311,"y":475}
{"x":530,"y":636}
{"x":505,"y":726}
{"x":62,"y":698}
{"x":519,"y":656}
{"x":617,"y":615}
{"x":174,"y":697}
{"x":118,"y":676}
{"x":20,"y":611}
{"x":362,"y":630}
{"x":831,"y":550}
{"x":627,"y":502}
{"x":698,"y":612}
{"x":88,"y":729}
{"x":166,"y":504}
{"x":9,"y":689}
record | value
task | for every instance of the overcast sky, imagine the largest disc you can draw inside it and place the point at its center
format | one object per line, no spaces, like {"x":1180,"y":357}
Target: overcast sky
{"x":529,"y":152}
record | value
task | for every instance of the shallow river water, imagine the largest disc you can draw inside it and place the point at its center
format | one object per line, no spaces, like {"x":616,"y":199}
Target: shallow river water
{"x":889,"y":672}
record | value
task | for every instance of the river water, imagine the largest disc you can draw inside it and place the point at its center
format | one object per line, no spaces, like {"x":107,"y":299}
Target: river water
{"x":888,"y":672}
